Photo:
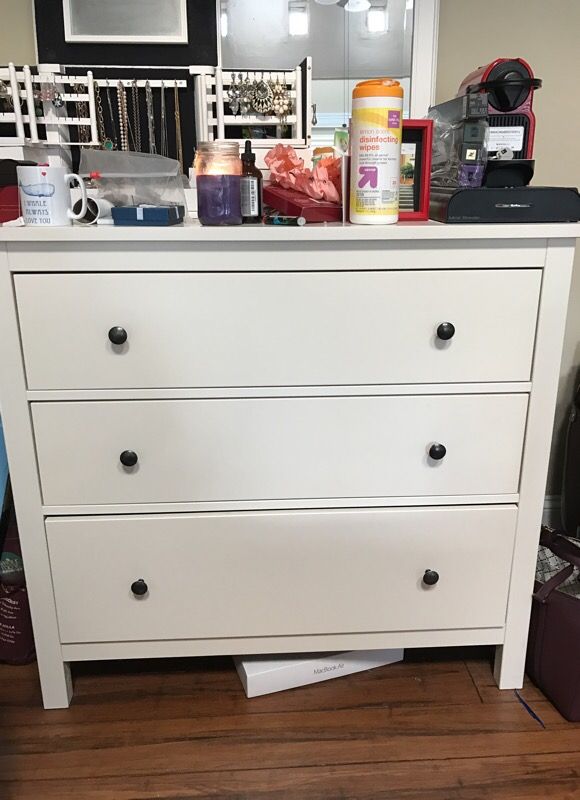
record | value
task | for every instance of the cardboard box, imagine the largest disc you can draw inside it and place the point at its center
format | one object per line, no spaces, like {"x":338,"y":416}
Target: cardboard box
{"x":263,"y":675}
{"x":148,"y":215}
{"x":296,"y":204}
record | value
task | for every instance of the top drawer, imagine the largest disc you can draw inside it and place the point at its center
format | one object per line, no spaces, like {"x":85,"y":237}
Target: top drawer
{"x":276,"y":329}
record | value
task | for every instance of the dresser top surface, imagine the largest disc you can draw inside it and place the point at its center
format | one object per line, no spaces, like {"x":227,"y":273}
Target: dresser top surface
{"x":193,"y":232}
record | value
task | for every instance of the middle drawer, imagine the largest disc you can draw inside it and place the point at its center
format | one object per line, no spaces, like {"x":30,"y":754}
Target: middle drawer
{"x":278,"y":448}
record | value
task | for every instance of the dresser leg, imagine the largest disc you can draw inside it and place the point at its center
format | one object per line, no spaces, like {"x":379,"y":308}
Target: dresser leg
{"x":56,"y":683}
{"x":509,"y":664}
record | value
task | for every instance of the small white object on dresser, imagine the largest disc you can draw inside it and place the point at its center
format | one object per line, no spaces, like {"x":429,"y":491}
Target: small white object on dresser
{"x":280,"y":440}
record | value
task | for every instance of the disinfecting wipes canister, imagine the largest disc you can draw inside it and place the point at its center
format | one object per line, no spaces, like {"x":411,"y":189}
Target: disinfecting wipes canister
{"x":376,"y":133}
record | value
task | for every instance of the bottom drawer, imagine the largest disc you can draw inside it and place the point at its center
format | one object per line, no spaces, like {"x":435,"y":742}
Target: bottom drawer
{"x":280,"y":573}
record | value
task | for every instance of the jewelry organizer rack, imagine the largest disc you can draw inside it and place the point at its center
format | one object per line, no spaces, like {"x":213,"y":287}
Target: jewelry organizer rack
{"x":63,"y":107}
{"x":219,"y":103}
{"x":12,"y":85}
{"x":42,"y":116}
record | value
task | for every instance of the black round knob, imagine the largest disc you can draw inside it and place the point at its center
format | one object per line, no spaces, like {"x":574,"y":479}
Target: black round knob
{"x":139,"y":588}
{"x":128,"y":458}
{"x":118,"y":335}
{"x":446,"y":331}
{"x":430,"y":578}
{"x":437,"y":451}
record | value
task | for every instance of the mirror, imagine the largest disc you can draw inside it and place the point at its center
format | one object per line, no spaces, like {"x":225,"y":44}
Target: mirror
{"x":348,"y":40}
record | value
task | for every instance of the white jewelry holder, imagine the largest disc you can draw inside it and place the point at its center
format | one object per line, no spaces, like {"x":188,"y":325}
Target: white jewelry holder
{"x":27,"y":141}
{"x":17,"y":83}
{"x":53,"y":145}
{"x":213,"y":116}
{"x":47,"y":138}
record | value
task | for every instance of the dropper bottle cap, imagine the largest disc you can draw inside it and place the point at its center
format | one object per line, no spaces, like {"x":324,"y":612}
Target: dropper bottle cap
{"x":247,"y":155}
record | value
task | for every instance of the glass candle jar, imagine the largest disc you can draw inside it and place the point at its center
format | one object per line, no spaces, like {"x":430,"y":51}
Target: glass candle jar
{"x":218,"y":170}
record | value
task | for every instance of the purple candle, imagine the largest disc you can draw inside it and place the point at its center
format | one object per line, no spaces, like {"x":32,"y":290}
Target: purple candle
{"x":219,"y":200}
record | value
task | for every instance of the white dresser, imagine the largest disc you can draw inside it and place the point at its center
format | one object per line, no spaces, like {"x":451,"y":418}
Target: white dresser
{"x":254,"y":440}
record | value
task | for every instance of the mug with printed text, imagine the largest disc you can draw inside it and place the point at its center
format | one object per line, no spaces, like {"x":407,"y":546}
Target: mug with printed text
{"x":45,"y":196}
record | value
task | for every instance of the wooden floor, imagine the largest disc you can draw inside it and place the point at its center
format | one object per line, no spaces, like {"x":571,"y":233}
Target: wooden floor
{"x":434,"y":727}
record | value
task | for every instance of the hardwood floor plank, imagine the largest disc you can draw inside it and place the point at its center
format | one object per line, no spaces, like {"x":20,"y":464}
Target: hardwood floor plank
{"x":291,"y":727}
{"x":19,"y":687}
{"x":503,"y":778}
{"x":276,"y":741}
{"x":482,"y":675}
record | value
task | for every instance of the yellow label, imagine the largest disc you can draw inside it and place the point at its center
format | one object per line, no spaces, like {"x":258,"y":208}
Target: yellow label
{"x":375,"y":165}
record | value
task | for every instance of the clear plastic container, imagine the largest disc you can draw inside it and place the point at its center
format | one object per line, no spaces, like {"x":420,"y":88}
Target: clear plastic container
{"x":134,"y":179}
{"x":218,"y":171}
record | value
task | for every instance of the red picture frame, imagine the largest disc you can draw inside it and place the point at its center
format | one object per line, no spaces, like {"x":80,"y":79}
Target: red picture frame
{"x":418,"y":132}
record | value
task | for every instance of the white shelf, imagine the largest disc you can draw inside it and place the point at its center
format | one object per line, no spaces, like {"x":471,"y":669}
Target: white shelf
{"x":192,"y":231}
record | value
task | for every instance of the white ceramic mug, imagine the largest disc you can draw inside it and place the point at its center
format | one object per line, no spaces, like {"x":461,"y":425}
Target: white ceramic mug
{"x":45,"y":197}
{"x":97,"y":208}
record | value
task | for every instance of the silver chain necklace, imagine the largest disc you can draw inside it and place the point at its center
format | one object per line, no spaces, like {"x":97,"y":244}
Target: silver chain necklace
{"x":136,"y":116}
{"x":82,"y":112}
{"x":150,"y":117}
{"x":164,"y":136}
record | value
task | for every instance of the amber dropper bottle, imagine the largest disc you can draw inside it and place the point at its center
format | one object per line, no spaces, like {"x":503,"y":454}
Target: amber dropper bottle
{"x":251,"y":187}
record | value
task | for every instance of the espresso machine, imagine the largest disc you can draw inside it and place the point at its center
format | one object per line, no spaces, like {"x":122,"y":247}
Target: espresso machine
{"x":509,"y":84}
{"x":483,"y":147}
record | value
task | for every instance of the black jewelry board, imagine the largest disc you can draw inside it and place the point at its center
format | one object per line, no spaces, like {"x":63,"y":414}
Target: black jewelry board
{"x":201,"y":48}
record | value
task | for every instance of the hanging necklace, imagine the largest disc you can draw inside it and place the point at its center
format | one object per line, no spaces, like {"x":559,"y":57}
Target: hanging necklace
{"x":164,"y":142}
{"x":123,"y":119}
{"x":127,"y":121}
{"x":106,"y":143}
{"x":114,"y":141}
{"x":82,"y":112}
{"x":150,"y":117}
{"x":178,"y":136}
{"x":136,"y":115}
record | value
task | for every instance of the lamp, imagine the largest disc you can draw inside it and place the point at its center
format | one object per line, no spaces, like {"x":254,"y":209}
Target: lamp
{"x":357,"y":5}
{"x":298,"y":22}
{"x":378,"y":17}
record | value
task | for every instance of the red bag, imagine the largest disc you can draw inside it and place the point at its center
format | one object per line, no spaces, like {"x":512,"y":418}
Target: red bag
{"x":553,"y":658}
{"x":16,"y":637}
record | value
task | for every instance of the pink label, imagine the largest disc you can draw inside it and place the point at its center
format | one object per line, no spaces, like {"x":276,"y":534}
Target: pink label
{"x":394,"y":119}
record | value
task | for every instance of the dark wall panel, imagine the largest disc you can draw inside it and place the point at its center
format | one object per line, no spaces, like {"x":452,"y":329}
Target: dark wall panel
{"x":202,"y":47}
